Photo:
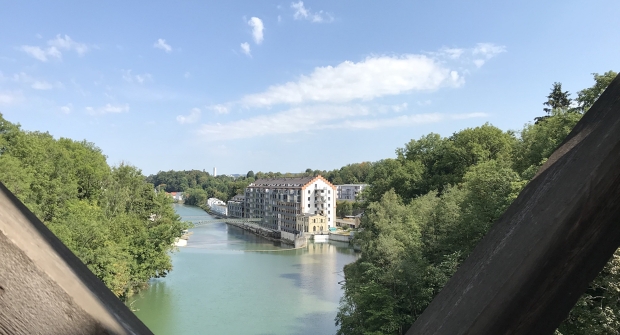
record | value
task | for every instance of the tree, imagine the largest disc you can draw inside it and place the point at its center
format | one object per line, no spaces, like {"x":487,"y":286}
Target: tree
{"x":587,"y":97}
{"x":111,"y":218}
{"x":250,"y":174}
{"x":557,"y":98}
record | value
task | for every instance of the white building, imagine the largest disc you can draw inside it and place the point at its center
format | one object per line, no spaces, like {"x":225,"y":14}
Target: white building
{"x":279,"y":201}
{"x":215,"y":201}
{"x":350,"y":191}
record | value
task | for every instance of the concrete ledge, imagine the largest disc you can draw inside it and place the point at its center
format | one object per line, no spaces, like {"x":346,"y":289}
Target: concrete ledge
{"x":45,"y":288}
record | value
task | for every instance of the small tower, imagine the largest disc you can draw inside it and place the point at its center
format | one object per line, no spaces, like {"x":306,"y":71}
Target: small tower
{"x":214,"y":172}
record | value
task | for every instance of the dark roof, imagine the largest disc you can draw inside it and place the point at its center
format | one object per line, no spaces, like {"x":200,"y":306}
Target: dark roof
{"x":282,"y":182}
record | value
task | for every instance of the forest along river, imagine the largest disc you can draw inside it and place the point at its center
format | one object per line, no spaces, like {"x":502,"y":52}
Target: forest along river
{"x":229,"y":281}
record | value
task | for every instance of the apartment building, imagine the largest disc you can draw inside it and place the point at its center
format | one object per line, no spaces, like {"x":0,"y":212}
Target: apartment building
{"x":349,"y":191}
{"x":279,"y":201}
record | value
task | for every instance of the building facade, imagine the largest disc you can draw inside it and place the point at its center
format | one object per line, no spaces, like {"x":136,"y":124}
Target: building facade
{"x":236,"y":206}
{"x":311,"y":223}
{"x":350,"y":191}
{"x":279,"y":201}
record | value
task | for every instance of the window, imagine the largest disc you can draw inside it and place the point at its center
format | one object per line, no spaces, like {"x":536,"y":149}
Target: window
{"x":329,"y":212}
{"x":308,"y":205}
{"x":308,"y":198}
{"x":308,"y":191}
{"x":329,"y":192}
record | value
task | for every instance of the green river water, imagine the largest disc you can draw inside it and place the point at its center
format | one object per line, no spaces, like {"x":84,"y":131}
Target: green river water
{"x":229,"y":281}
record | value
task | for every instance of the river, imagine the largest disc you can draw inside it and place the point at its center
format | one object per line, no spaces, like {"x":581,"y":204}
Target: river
{"x":229,"y":281}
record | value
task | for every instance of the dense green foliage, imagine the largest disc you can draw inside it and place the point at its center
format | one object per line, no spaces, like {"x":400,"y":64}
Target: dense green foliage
{"x":427,"y":208}
{"x":198,"y":186}
{"x":111,"y":218}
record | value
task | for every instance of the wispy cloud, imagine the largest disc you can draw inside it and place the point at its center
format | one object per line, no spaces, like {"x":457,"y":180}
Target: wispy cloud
{"x":193,"y":116}
{"x":66,"y":109}
{"x":303,"y":119}
{"x":245,"y":48}
{"x":303,"y":13}
{"x":478,"y":55}
{"x":366,"y":80}
{"x":108,"y":109}
{"x":136,"y":78}
{"x":40,"y":53}
{"x":290,"y":121}
{"x":10,"y":97}
{"x":257,"y":29}
{"x":41,"y":85}
{"x":53,"y":49}
{"x":161,"y":44}
{"x":67,"y":43}
{"x":36,"y":84}
{"x":219,"y":109}
{"x":486,"y":51}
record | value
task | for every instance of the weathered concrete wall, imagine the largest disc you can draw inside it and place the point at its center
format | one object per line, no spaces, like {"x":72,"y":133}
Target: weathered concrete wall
{"x":339,"y":237}
{"x":538,"y":258}
{"x":45,"y":288}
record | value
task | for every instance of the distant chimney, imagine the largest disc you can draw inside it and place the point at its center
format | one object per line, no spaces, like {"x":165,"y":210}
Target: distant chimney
{"x":214,"y":172}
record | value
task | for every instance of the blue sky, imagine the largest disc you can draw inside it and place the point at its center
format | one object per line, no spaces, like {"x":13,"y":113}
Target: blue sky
{"x":283,"y":86}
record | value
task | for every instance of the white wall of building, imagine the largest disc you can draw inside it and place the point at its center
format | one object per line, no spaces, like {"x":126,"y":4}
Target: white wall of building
{"x":215,"y":201}
{"x":220,"y":209}
{"x":312,"y":205}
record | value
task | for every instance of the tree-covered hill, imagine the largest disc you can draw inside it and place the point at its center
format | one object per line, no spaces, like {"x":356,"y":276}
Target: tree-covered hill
{"x":110,"y":217}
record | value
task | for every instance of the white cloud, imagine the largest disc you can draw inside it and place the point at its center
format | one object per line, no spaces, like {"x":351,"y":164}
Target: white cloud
{"x":136,"y":78}
{"x":54,"y":46}
{"x":371,"y":78}
{"x":41,"y":85}
{"x":187,"y":75}
{"x":161,"y":44}
{"x":303,"y":13}
{"x":67,"y":108}
{"x":257,"y":29}
{"x":108,"y":109}
{"x":245,"y":48}
{"x":193,"y":116}
{"x":219,"y":109}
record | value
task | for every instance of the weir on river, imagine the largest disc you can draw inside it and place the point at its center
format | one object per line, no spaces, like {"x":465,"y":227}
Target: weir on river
{"x":229,"y":281}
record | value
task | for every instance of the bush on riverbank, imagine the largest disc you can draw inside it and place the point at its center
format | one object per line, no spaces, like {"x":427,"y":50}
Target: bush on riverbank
{"x":110,"y":217}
